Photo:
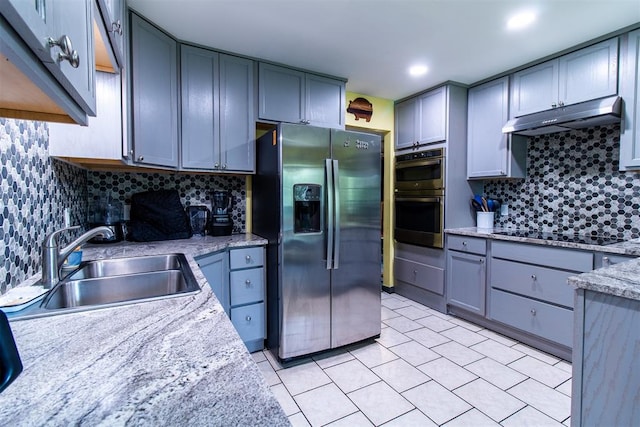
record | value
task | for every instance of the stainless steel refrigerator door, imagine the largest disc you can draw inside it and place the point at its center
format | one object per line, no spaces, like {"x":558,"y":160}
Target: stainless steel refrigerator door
{"x":356,"y":286}
{"x":305,"y":295}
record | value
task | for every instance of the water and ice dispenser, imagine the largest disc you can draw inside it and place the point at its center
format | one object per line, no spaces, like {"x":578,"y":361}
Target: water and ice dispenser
{"x":306,"y":208}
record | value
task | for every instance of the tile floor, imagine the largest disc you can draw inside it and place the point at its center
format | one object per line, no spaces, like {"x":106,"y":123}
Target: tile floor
{"x":426,"y":369}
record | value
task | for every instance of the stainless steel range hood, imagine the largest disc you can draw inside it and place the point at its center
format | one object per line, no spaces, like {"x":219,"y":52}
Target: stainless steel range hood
{"x":598,"y":112}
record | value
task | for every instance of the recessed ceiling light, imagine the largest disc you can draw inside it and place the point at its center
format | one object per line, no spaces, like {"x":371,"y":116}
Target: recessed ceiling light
{"x":521,"y":20}
{"x":418,"y":70}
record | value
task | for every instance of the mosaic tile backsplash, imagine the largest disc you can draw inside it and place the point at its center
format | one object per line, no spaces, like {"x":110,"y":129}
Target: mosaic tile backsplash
{"x":573,"y":186}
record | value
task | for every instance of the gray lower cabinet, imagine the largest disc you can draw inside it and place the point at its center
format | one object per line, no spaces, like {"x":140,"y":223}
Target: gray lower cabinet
{"x":237,"y":277}
{"x":217,"y":111}
{"x":630,"y":92}
{"x":605,"y":361}
{"x":293,"y":96}
{"x":491,"y":153}
{"x":154,"y":74}
{"x":419,"y":274}
{"x":466,"y":273}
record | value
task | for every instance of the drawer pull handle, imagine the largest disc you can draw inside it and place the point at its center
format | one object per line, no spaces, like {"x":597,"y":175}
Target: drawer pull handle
{"x":533,"y":276}
{"x":248,"y":318}
{"x":606,"y":262}
{"x":533,"y":311}
{"x":247,"y":282}
{"x":248,"y":258}
{"x":464,"y":243}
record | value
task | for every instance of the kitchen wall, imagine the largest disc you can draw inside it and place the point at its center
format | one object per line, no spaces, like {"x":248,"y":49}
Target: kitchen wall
{"x":573,"y":186}
{"x":36,"y":189}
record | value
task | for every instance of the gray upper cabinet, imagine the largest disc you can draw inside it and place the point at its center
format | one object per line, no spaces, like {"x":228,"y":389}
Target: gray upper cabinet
{"x":585,"y":74}
{"x":287,"y":95}
{"x":217,"y":111}
{"x":491,"y":153}
{"x":422,"y":119}
{"x":154,"y":74}
{"x":630,"y":92}
{"x":60,"y":34}
{"x":112,"y":14}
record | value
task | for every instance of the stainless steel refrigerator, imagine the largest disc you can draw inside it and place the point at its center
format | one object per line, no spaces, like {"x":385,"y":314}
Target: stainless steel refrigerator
{"x":316,"y":198}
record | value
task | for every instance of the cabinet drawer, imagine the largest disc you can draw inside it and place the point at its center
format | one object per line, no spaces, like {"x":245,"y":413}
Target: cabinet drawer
{"x":421,"y":275}
{"x":566,"y":259}
{"x":246,"y":258}
{"x":467,"y":244}
{"x":247,"y":286}
{"x":249,"y":321}
{"x":538,"y":318}
{"x":532,"y":280}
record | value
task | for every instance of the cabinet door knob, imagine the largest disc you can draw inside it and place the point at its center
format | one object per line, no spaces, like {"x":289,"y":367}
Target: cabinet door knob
{"x":464,"y":243}
{"x":248,"y":259}
{"x":68,"y":52}
{"x":216,"y":166}
{"x":606,"y":262}
{"x":554,"y":105}
{"x":561,"y":104}
{"x":533,"y":276}
{"x":116,"y":27}
{"x":248,"y":318}
{"x":247,"y":282}
{"x":481,"y":260}
{"x":533,"y":312}
{"x":140,"y":158}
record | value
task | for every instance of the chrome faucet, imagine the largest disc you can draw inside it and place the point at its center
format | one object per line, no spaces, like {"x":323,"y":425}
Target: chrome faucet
{"x":53,"y":258}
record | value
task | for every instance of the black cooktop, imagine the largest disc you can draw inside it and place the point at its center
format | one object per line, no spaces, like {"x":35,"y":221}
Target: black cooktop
{"x":587,"y":239}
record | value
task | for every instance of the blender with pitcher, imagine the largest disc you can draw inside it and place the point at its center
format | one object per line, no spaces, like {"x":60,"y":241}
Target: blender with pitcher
{"x":221,"y":222}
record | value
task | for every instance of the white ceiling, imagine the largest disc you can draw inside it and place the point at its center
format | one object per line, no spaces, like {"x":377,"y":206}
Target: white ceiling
{"x":373,"y":42}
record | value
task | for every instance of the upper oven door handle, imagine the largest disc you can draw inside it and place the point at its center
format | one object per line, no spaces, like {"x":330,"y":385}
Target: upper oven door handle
{"x":418,"y":199}
{"x":417,"y":162}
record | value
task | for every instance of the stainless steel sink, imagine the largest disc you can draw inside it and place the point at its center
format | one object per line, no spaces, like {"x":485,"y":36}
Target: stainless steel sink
{"x":106,"y":283}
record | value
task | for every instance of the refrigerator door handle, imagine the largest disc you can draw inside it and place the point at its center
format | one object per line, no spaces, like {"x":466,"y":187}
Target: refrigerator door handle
{"x":328,"y":168}
{"x":336,"y":212}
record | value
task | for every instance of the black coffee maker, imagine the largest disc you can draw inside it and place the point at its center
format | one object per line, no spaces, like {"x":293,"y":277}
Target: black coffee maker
{"x":221,"y":222}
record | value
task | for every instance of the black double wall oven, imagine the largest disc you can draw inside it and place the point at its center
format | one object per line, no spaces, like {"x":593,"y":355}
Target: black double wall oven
{"x":419,"y":198}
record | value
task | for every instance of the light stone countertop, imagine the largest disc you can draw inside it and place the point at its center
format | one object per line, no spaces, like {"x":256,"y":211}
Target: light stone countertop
{"x":171,"y":362}
{"x":621,"y":279}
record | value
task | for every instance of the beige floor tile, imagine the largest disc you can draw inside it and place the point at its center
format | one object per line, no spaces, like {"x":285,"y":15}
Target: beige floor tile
{"x":565,"y":366}
{"x":390,"y":336}
{"x":472,"y":418}
{"x":567,"y":422}
{"x":498,"y":351}
{"x":457,"y":353}
{"x":427,"y":337}
{"x":414,"y":418}
{"x":530,"y":417}
{"x":387,"y":313}
{"x":299,"y":420}
{"x":540,"y":371}
{"x":289,"y":405}
{"x":373,"y":355}
{"x":543,"y":398}
{"x":334,"y":357}
{"x":496,"y":373}
{"x":489,"y":399}
{"x":465,"y":324}
{"x":436,"y":323}
{"x":447,"y":373}
{"x":414,"y":353}
{"x":258,"y":356}
{"x":464,"y":336}
{"x":380,"y":403}
{"x":354,"y":420}
{"x":400,"y":375}
{"x":540,"y":355}
{"x":395,"y":303}
{"x":301,"y":378}
{"x":436,"y":402}
{"x":275,"y":364}
{"x":413,"y":312}
{"x":268,"y":373}
{"x":498,"y":337}
{"x":403,"y":324}
{"x":565,"y":388}
{"x":324,"y":404}
{"x":351,"y":375}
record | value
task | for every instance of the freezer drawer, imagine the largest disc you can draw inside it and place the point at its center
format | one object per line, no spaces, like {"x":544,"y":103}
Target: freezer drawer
{"x":246,"y":258}
{"x":544,"y":320}
{"x":247,"y":286}
{"x":249,"y":321}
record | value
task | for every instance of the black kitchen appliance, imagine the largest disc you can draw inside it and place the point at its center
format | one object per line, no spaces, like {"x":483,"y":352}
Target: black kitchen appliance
{"x":108,"y":212}
{"x":199,"y":219}
{"x":221,"y":222}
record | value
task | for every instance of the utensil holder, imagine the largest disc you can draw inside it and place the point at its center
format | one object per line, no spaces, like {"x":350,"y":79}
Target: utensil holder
{"x":484,"y":220}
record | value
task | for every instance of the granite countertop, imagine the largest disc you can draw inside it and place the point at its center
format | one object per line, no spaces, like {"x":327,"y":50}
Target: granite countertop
{"x":621,"y":279}
{"x":176,"y":361}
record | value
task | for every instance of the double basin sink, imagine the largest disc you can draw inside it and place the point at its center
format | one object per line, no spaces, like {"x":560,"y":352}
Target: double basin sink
{"x":111,"y":282}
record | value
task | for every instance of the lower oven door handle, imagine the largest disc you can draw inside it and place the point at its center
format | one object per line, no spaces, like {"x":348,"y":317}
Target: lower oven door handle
{"x":418,"y":199}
